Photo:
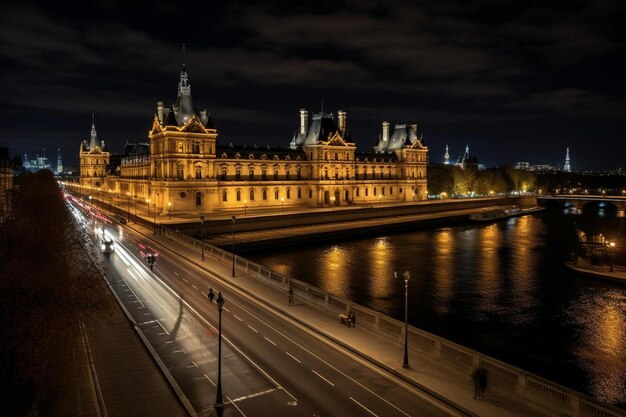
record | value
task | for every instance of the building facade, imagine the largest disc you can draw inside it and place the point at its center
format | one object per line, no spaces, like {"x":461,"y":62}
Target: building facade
{"x":94,"y":159}
{"x":183,"y":168}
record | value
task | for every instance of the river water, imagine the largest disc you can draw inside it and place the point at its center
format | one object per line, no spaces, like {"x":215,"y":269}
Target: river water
{"x":501,"y":289}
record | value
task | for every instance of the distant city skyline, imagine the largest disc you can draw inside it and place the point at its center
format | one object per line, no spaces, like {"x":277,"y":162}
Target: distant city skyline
{"x":518,"y":82}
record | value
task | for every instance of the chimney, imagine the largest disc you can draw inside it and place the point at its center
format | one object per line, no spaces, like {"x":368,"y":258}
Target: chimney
{"x":385,"y":131}
{"x":304,"y":121}
{"x":160,"y":111}
{"x":342,"y":121}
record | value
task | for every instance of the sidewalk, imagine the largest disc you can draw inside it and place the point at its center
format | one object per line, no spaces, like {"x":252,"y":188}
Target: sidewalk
{"x":447,"y":383}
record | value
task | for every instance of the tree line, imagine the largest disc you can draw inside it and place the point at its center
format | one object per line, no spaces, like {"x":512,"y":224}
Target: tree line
{"x":455,"y":181}
{"x":47,"y":285}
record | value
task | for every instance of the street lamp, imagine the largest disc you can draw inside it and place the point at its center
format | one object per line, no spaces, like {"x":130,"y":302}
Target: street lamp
{"x":128,"y":199}
{"x":135,"y":202}
{"x":202,"y":235}
{"x":407,"y":276}
{"x":282,"y":206}
{"x":332,"y":202}
{"x":611,"y":246}
{"x":169,"y":209}
{"x":220,"y":304}
{"x":245,"y":207}
{"x":233,"y":235}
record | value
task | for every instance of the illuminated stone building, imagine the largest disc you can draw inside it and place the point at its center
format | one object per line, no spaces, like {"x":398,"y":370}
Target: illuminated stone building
{"x":94,"y":160}
{"x":184,"y":169}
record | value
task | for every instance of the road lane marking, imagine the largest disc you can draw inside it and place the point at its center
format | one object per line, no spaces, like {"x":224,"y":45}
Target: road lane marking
{"x":193,"y":365}
{"x":176,"y":273}
{"x":210,"y":380}
{"x":255,"y":330}
{"x":364,"y":407}
{"x":269,"y":341}
{"x":195,"y":288}
{"x":237,"y":317}
{"x":181,"y":350}
{"x":204,"y":294}
{"x":185,"y":280}
{"x":233,"y":403}
{"x":323,"y":378}
{"x":256,"y":394}
{"x":293,"y":357}
{"x":227,"y":310}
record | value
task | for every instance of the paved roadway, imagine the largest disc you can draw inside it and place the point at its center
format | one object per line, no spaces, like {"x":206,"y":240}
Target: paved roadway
{"x":270,"y":365}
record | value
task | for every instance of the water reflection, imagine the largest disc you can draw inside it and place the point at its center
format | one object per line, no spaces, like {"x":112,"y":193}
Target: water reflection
{"x":333,"y":267}
{"x":602,"y":317}
{"x":380,"y":284}
{"x":443,"y":270}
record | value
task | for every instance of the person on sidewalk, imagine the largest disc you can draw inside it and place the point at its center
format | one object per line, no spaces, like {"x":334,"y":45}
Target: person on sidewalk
{"x":479,"y":376}
{"x":290,"y":296}
{"x":351,"y":319}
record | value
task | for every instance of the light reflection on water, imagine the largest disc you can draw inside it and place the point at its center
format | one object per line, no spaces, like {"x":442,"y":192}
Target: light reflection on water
{"x":498,"y":288}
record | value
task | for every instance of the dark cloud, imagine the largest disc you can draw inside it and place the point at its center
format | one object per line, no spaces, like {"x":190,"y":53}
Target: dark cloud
{"x":467,"y":71}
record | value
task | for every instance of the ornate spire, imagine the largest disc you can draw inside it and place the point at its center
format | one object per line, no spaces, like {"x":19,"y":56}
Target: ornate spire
{"x":184,"y":88}
{"x":446,"y":157}
{"x":567,"y":167}
{"x":94,"y":136}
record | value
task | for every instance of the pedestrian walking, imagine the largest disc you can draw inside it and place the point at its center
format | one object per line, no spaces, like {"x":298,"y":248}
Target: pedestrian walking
{"x":479,"y":376}
{"x":290,"y":295}
{"x":352,"y":318}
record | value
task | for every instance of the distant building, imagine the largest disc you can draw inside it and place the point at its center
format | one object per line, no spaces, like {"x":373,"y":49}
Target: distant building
{"x":59,"y":163}
{"x":522,"y":165}
{"x":567,"y":167}
{"x":542,"y":168}
{"x":182,"y":168}
{"x":40,"y":162}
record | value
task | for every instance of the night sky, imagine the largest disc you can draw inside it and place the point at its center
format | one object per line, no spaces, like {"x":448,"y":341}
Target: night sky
{"x":517,"y":81}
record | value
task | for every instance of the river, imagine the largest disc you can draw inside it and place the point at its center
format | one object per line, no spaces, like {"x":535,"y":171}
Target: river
{"x":501,"y":289}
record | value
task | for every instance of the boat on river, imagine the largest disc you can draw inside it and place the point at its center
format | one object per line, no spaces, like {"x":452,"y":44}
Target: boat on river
{"x":495,"y":215}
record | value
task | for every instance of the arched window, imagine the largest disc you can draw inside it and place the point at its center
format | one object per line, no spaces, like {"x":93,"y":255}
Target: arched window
{"x":251,"y":194}
{"x":336,"y":156}
{"x":224,"y":173}
{"x":251,"y":172}
{"x":238,"y":172}
{"x":224,"y":195}
{"x":238,"y":195}
{"x":198,"y":172}
{"x":264,"y":194}
{"x":299,"y":193}
{"x":288,"y":193}
{"x":180,"y":170}
{"x":275,"y":193}
{"x":325,"y":173}
{"x":198,"y":198}
{"x":196,"y":147}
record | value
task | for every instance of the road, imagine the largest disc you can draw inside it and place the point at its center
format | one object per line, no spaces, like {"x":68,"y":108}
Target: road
{"x":271,"y":366}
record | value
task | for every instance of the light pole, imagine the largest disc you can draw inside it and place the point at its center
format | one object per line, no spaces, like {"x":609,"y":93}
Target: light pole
{"x":245,"y":207}
{"x":169,"y":209}
{"x":220,"y":304}
{"x":407,"y":276}
{"x":233,"y":235}
{"x":282,"y":202}
{"x":332,"y":202}
{"x":128,"y":200}
{"x":611,"y":246}
{"x":135,"y":201}
{"x":201,"y":235}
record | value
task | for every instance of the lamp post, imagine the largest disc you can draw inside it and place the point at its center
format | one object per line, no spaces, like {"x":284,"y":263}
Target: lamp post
{"x":154,"y":225}
{"x":220,"y":304}
{"x":135,"y":201}
{"x":202,"y":235}
{"x":128,"y":200}
{"x":407,"y":276}
{"x":233,"y":235}
{"x":282,"y":206}
{"x":169,"y":210}
{"x":611,"y":246}
{"x":332,"y":202}
{"x":245,"y":207}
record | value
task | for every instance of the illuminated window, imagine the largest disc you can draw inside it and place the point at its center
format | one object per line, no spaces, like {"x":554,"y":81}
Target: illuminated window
{"x":264,"y":194}
{"x":180,"y":172}
{"x":238,"y":172}
{"x":224,"y":172}
{"x":264,"y":173}
{"x":198,"y":172}
{"x":251,"y":194}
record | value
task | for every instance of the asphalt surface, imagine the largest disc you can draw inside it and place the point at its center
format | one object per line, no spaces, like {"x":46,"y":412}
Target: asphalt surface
{"x":271,"y":366}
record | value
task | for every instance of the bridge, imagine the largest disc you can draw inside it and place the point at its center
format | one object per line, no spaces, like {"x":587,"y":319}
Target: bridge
{"x":580,"y":200}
